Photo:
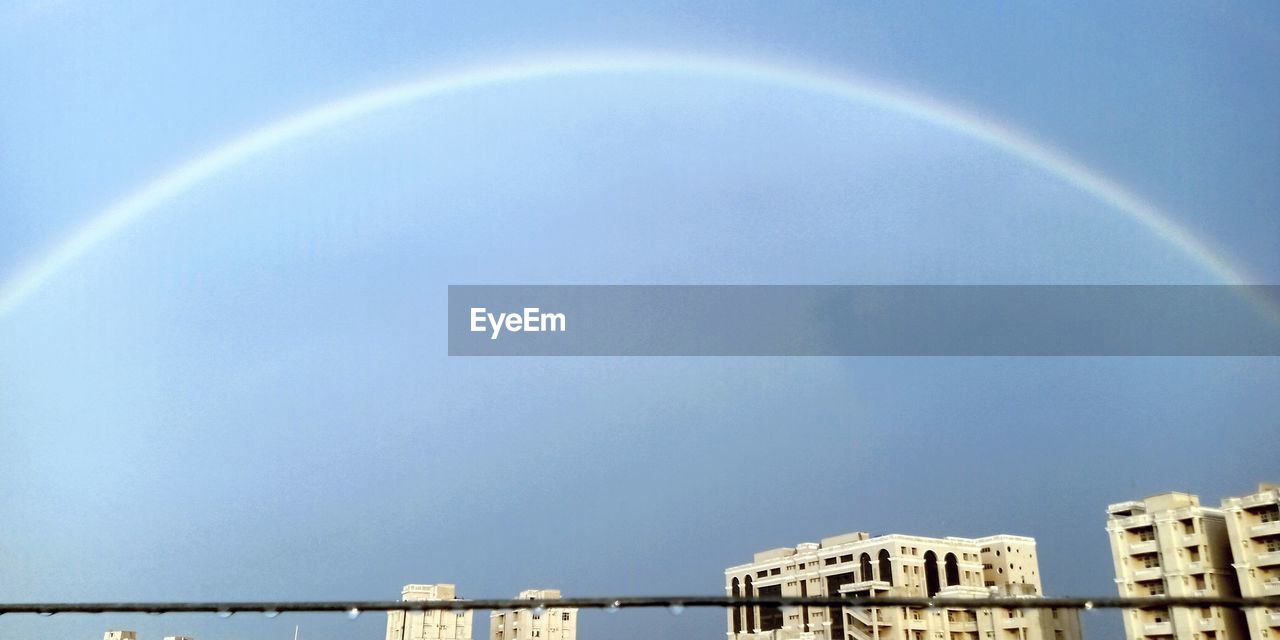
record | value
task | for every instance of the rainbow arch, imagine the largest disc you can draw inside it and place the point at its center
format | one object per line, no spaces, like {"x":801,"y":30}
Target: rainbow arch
{"x":149,"y":198}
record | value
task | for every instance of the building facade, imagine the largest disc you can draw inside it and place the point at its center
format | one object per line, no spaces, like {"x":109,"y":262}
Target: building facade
{"x":1169,"y":544}
{"x":549,"y":623}
{"x":439,"y":624}
{"x":120,"y":635}
{"x":1253,"y":527}
{"x":857,"y":564}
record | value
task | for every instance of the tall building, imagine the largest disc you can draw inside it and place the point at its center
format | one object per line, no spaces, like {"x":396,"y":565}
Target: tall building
{"x":857,"y":564}
{"x":120,"y":635}
{"x":1169,"y":544}
{"x":1253,"y":526}
{"x":551,"y":623}
{"x":440,"y":624}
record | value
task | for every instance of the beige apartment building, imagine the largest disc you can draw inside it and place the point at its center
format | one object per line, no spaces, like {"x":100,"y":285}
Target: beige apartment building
{"x":549,"y":623}
{"x":1253,"y":526}
{"x":857,"y":564}
{"x":428,"y":625}
{"x":1169,"y":544}
{"x":120,"y":635}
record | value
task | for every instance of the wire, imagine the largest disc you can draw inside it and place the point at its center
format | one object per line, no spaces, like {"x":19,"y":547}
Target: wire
{"x":641,"y":602}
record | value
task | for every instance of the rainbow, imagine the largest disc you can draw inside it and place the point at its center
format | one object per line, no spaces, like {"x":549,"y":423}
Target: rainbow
{"x":151,"y":197}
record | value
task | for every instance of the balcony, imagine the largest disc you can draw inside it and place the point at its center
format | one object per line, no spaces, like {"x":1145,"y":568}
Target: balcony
{"x":1192,"y":540}
{"x":1011,"y":623}
{"x":1207,"y":624}
{"x":1264,"y":529}
{"x":1157,"y":629}
{"x":1196,"y":567}
{"x":1140,"y":520}
{"x":864,"y":585}
{"x":1148,"y":574}
{"x":1268,"y":559}
{"x":1271,"y":588}
{"x":1273,"y":619}
{"x":1148,"y":546}
{"x":1257,"y":500}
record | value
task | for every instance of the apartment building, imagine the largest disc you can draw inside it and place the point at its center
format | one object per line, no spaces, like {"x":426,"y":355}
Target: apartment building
{"x":429,"y":625}
{"x":1253,"y":527}
{"x":546,"y":623}
{"x":858,"y":564}
{"x":120,"y":635}
{"x":1169,"y":544}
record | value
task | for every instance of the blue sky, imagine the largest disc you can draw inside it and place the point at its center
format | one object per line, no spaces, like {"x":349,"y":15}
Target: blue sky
{"x":246,"y":395}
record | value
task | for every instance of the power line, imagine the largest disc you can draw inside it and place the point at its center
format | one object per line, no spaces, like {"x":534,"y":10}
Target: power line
{"x":640,"y":602}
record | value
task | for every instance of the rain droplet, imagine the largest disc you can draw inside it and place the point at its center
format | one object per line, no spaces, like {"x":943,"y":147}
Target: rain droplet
{"x":270,"y":613}
{"x":353,"y":613}
{"x":676,"y":608}
{"x":46,"y":613}
{"x":538,"y":611}
{"x":224,"y":613}
{"x":614,"y":606}
{"x":1088,"y":604}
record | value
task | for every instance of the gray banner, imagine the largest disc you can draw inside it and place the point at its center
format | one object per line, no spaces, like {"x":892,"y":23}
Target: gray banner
{"x":817,"y":320}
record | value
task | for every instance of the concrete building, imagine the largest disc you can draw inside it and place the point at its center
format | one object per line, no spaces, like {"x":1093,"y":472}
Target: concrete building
{"x":428,"y":625}
{"x":857,"y":564}
{"x":178,"y":638}
{"x":551,"y":623}
{"x":1253,"y":527}
{"x":120,"y":635}
{"x":1171,"y":545}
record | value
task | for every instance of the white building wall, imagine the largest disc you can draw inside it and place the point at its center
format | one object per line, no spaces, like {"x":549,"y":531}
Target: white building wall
{"x":552,"y":623}
{"x":1169,"y":544}
{"x":896,"y":565}
{"x":1253,"y":527}
{"x":429,"y":625}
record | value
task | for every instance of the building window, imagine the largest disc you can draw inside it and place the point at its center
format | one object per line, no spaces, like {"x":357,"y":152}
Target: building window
{"x":564,"y":616}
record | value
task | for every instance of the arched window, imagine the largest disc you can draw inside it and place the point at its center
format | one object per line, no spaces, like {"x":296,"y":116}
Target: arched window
{"x":737,"y":611}
{"x":751,"y":611}
{"x":886,"y":567}
{"x":864,"y":566}
{"x":931,"y":573}
{"x":952,"y":570}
